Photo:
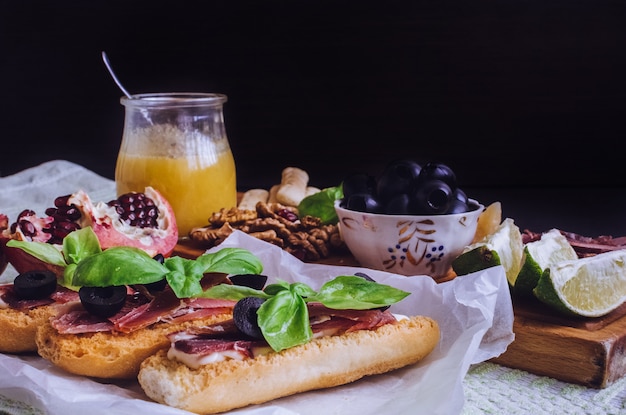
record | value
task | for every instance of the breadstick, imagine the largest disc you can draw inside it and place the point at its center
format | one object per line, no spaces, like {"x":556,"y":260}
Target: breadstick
{"x":272,"y":196}
{"x":251,"y":197}
{"x":293,"y":186}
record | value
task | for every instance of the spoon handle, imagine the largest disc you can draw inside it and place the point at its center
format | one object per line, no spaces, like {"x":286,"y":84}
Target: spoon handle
{"x":117,"y":81}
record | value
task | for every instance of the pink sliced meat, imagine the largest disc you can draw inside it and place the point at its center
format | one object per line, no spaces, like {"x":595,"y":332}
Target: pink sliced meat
{"x":350,"y":319}
{"x":224,"y":336}
{"x":165,"y":306}
{"x":138,"y":317}
{"x":62,"y":295}
{"x":79,"y":321}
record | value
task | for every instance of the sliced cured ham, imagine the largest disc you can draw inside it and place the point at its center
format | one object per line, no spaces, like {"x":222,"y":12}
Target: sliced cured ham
{"x":8,"y":298}
{"x":142,"y":310}
{"x":223,"y":339}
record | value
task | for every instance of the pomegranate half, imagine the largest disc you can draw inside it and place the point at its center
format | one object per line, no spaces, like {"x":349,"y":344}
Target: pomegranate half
{"x":142,"y":220}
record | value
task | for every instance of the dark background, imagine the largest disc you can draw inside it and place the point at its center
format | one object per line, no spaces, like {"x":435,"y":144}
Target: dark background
{"x":524,"y":99}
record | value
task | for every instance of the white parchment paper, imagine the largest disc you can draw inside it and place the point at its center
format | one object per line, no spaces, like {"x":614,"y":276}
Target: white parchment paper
{"x":474,"y":312}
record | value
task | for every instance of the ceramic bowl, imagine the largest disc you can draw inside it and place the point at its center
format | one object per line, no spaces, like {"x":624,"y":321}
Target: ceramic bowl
{"x":408,"y":244}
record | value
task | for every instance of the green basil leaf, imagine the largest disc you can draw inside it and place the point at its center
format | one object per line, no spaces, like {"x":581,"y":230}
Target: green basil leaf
{"x":284,"y":320}
{"x":278,"y":286}
{"x":184,"y":276}
{"x":352,"y":292}
{"x":119,"y":265}
{"x":322,"y":205}
{"x":233,"y":292}
{"x":68,"y":275}
{"x":231,"y":261}
{"x":43,"y":251}
{"x":302,"y":289}
{"x":79,"y":244}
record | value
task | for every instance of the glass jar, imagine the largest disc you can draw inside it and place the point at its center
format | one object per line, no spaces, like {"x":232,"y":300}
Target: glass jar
{"x":177,"y":143}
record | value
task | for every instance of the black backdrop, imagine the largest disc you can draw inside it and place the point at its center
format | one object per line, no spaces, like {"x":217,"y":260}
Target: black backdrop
{"x":513,"y":94}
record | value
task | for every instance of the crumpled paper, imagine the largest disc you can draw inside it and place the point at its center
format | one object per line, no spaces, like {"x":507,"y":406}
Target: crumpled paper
{"x":474,"y":312}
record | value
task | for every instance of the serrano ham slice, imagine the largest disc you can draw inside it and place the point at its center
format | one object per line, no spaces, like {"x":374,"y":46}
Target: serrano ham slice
{"x":142,"y":310}
{"x":62,"y":295}
{"x":225,"y":337}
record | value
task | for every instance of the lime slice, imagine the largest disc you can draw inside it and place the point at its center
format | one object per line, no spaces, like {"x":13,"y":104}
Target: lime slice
{"x":551,"y":249}
{"x":588,"y":287}
{"x":502,"y":247}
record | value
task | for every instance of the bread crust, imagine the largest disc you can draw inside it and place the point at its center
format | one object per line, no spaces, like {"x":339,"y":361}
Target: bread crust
{"x":322,"y":363}
{"x":109,"y":355}
{"x":18,"y":328}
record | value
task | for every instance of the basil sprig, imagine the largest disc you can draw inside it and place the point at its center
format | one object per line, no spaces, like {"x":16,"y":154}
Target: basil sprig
{"x":123,"y":265}
{"x":322,"y":204}
{"x":86,"y":264}
{"x":284,"y":318}
{"x":77,"y":245}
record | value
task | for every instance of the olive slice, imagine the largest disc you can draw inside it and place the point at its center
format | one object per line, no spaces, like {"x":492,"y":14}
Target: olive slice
{"x":255,"y":281}
{"x":156,"y":285}
{"x":245,"y":316}
{"x":35,"y":285}
{"x":103,"y":301}
{"x":160,"y":284}
{"x":364,"y":276}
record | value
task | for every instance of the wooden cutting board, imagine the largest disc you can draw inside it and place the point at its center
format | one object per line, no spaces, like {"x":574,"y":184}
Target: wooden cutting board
{"x":586,"y":351}
{"x":590,"y":352}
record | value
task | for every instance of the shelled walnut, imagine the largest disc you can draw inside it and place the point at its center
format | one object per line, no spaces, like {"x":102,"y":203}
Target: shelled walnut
{"x":306,"y":238}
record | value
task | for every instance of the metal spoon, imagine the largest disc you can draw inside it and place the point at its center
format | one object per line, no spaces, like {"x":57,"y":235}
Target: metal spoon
{"x":117,"y":81}
{"x":143,"y":111}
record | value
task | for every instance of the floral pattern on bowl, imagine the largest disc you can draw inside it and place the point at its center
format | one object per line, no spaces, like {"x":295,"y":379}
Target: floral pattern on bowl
{"x":405,"y":244}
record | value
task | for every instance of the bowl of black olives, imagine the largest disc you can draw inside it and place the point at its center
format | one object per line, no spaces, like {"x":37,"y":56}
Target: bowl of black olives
{"x":411,"y":219}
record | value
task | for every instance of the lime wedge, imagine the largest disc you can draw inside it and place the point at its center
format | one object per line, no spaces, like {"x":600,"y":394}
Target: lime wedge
{"x":588,"y":287}
{"x":551,"y":249}
{"x":502,"y":247}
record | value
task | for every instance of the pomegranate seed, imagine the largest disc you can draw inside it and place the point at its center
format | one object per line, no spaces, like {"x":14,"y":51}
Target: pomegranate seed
{"x":136,"y":209}
{"x":51,"y":211}
{"x":27,"y":228}
{"x":25,"y":212}
{"x":61,"y":200}
{"x":287,"y":214}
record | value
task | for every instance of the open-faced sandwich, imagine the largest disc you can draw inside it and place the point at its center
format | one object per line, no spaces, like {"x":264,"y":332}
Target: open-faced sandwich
{"x":287,"y":339}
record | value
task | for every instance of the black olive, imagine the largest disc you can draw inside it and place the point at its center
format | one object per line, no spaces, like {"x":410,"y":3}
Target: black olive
{"x":457,"y":206}
{"x":103,"y":301}
{"x":255,"y":281}
{"x":398,"y":205}
{"x":245,"y":316}
{"x":397,"y":177}
{"x":460,"y":195}
{"x":432,"y":197}
{"x":362,"y":202}
{"x":156,"y":285}
{"x":364,"y":276}
{"x":160,"y":284}
{"x":35,"y":285}
{"x":358,"y":183}
{"x":438,"y":171}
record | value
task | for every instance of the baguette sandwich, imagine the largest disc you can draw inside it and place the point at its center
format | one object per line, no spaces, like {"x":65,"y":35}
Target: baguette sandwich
{"x":20,"y":317}
{"x":112,"y":308}
{"x":206,"y":369}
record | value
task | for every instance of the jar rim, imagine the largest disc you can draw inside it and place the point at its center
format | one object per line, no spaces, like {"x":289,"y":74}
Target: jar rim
{"x":173,"y":99}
